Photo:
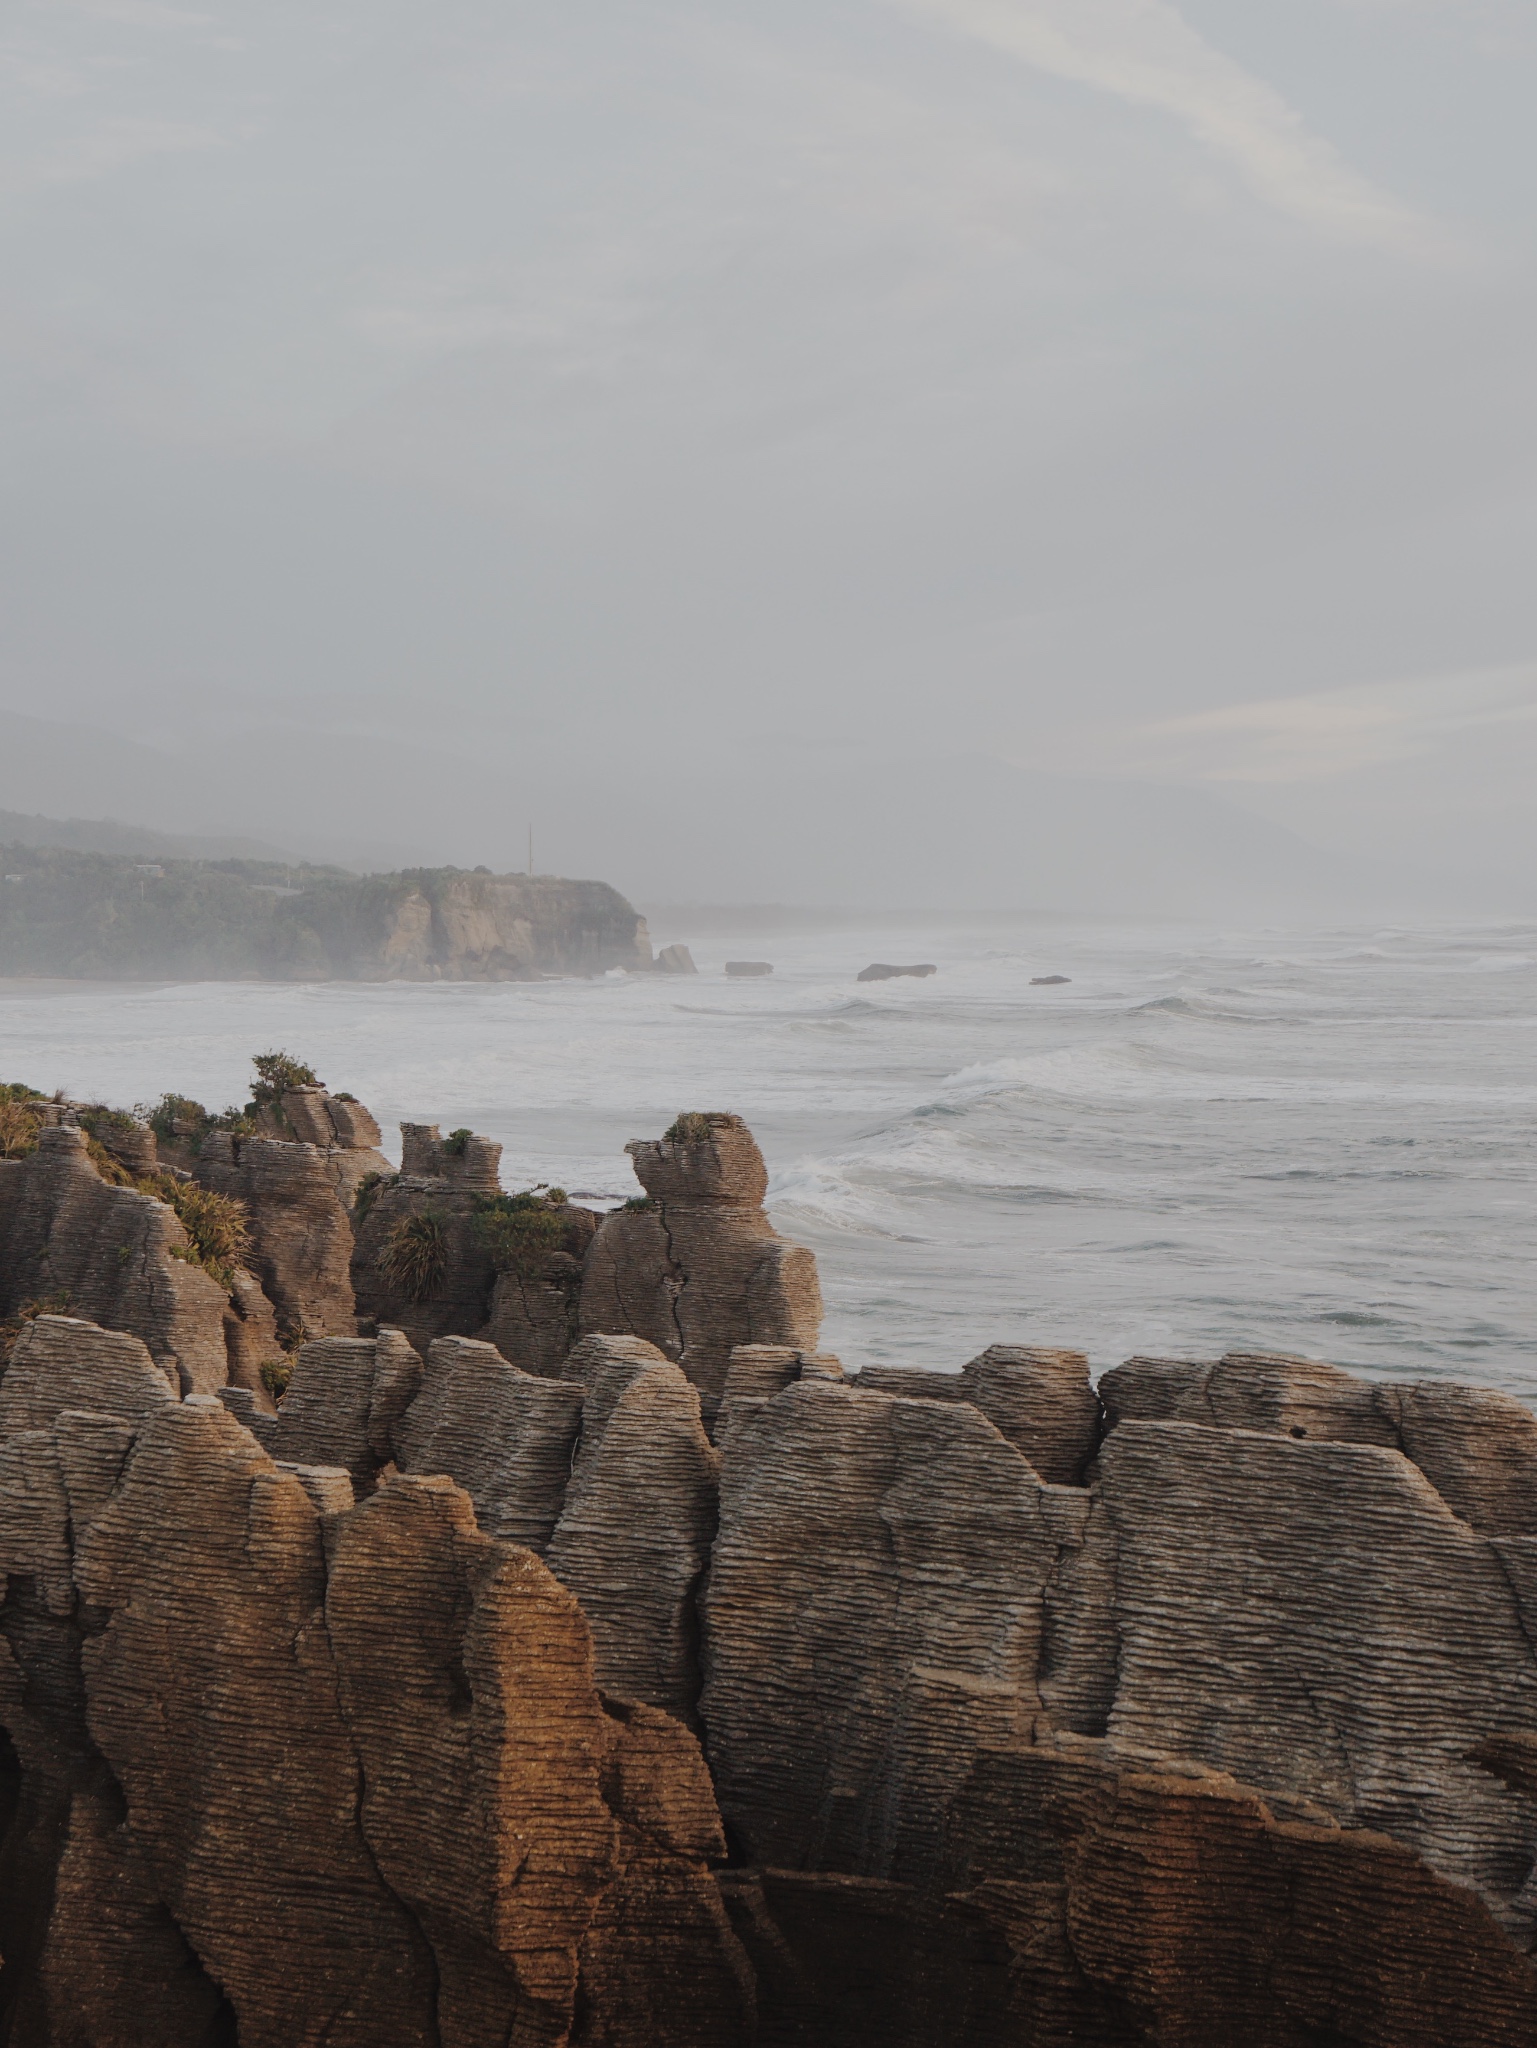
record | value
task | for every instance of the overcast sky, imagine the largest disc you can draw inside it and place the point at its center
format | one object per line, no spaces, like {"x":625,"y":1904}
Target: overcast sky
{"x":1113,"y":388}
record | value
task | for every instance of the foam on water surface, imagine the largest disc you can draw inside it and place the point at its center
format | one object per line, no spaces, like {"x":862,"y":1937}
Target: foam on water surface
{"x":1323,"y":1142}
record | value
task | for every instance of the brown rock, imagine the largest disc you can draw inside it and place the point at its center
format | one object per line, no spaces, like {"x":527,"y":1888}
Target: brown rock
{"x":1311,"y":1617}
{"x":212,"y":1696}
{"x":634,"y":1534}
{"x":110,"y":1253}
{"x":60,"y":1362}
{"x":1040,"y":1399}
{"x":505,"y":1436}
{"x":875,"y":1614}
{"x":702,"y":1271}
{"x":301,"y":1236}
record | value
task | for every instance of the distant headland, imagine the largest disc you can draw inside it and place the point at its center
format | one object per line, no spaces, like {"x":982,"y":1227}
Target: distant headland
{"x":104,"y":916}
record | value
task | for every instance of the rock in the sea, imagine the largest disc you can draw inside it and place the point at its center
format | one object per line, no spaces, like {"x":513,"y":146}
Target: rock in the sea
{"x":744,"y":968}
{"x":675,"y":960}
{"x":1049,"y":980}
{"x":882,"y":970}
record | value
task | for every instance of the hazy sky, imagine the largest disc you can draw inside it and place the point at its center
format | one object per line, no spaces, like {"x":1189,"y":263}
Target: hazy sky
{"x":1110,"y":387}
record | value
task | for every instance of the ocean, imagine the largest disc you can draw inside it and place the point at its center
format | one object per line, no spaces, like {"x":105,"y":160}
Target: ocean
{"x":1313,"y":1141}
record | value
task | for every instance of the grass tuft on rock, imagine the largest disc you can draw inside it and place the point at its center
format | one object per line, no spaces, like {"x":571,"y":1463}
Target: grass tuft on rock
{"x":521,"y":1231}
{"x":415,"y":1255}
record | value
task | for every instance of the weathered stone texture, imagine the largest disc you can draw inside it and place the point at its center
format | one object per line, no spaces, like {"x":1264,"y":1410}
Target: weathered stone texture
{"x":300,"y":1233}
{"x":1476,"y":1446}
{"x":456,"y":1305}
{"x":111,"y":1253}
{"x":1311,"y":1617}
{"x":61,"y":1362}
{"x":534,"y":1318}
{"x":1040,"y":1399}
{"x":319,"y":1775}
{"x":505,"y":1436}
{"x":702,"y":1271}
{"x":212,"y":1697}
{"x":875,"y":1613}
{"x":634,"y":1534}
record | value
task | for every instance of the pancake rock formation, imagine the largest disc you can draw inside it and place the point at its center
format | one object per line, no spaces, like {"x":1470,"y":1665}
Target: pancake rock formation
{"x":659,"y":1684}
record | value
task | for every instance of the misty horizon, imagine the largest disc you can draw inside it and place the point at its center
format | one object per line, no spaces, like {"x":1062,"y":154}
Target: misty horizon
{"x":420,"y":429}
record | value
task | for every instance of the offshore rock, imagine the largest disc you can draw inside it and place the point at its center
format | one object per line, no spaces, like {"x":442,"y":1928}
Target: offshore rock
{"x":882,"y":970}
{"x":700,"y":1269}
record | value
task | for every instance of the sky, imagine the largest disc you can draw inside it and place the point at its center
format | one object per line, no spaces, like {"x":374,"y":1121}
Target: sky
{"x":647,"y":421}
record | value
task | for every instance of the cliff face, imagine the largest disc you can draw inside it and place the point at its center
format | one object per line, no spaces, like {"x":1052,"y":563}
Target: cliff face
{"x":1198,"y":1709}
{"x":502,"y":928}
{"x":65,"y":913}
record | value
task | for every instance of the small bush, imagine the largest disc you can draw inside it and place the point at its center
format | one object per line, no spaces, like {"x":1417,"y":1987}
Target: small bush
{"x":638,"y":1205}
{"x":177,"y":1120}
{"x":218,"y":1230}
{"x":96,"y":1118}
{"x":691,"y":1128}
{"x":276,"y":1073}
{"x":12,"y":1327}
{"x":21,"y":1118}
{"x":456,"y":1144}
{"x":368,"y":1192}
{"x":111,"y":1171}
{"x":415,"y":1255}
{"x":276,"y":1374}
{"x":521,"y":1231}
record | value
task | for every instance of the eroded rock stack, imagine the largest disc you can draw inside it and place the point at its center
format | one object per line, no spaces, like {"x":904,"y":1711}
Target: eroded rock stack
{"x":686,"y":1689}
{"x":697,"y":1268}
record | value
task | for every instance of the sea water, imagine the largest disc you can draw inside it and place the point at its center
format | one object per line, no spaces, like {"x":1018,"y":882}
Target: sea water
{"x":1322,"y":1142}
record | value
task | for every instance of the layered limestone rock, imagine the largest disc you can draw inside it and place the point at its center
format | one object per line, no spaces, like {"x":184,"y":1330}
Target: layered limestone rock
{"x":1096,"y":1897}
{"x":111,"y":1255}
{"x":634,"y":1534}
{"x":1219,"y":1726}
{"x":1040,"y":1399}
{"x":526,"y":1305}
{"x":535,"y":1312}
{"x":1312,"y":1618}
{"x":1476,"y":1446}
{"x":298,"y":1183}
{"x":301,"y":1240}
{"x":438,"y":1192}
{"x":876,"y":1612}
{"x":699,"y":1269}
{"x":291,"y":1778}
{"x":507,"y":1437}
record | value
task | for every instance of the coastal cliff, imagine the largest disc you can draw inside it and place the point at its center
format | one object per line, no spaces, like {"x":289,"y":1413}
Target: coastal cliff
{"x":655,"y":1683}
{"x":98,"y":916}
